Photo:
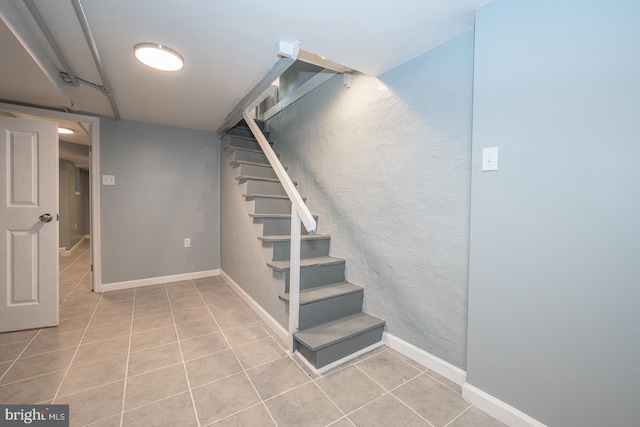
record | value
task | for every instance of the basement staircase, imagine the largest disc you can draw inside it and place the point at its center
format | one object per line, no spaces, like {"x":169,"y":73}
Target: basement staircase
{"x":332,"y":325}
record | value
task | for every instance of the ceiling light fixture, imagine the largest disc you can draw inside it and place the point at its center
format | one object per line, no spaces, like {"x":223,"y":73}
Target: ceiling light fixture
{"x":158,"y":56}
{"x":65,"y":131}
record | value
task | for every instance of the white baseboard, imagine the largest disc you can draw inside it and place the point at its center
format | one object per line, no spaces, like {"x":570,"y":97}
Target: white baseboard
{"x":106,"y":287}
{"x":427,"y":359}
{"x":63,"y":252}
{"x":272,"y":323}
{"x":497,"y":408}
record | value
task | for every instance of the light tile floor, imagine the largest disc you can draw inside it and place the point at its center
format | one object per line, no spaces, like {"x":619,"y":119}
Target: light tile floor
{"x":191,"y":353}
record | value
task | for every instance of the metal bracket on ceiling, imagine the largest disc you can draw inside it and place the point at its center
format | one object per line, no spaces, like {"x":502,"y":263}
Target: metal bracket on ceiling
{"x":66,"y":80}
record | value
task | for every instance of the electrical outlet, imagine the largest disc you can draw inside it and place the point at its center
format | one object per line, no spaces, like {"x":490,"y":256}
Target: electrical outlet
{"x":75,"y":225}
{"x":187,"y":243}
{"x":108,"y":180}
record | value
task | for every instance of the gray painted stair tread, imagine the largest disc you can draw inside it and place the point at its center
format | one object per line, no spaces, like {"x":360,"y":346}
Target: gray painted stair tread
{"x":321,"y":293}
{"x":305,"y":262}
{"x":287,"y":238}
{"x":244,"y":162}
{"x":255,"y":215}
{"x":260,"y":178}
{"x":231,"y":147}
{"x":327,"y":334}
{"x":267,"y":196}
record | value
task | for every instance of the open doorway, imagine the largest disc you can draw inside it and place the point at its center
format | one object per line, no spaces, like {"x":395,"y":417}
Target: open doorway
{"x":78,"y":206}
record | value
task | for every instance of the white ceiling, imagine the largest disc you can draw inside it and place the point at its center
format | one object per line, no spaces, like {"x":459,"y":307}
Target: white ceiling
{"x":228,"y":48}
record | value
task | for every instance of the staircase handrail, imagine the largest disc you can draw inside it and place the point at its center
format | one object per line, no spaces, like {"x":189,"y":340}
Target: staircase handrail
{"x":296,"y":200}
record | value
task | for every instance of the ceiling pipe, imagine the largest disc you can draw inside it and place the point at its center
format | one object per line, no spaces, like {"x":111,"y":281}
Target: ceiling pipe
{"x":82,"y":18}
{"x":35,"y":13}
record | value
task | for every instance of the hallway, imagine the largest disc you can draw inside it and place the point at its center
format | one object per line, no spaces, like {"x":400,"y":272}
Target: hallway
{"x":191,"y":353}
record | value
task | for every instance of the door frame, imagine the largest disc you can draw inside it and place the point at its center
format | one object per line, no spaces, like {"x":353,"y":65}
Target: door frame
{"x":94,"y":157}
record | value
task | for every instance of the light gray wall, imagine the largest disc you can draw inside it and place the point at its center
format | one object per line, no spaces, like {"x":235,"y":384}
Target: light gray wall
{"x":167,"y":189}
{"x":386,"y":165}
{"x":242,"y":255}
{"x":555,"y":232}
{"x":64,"y":178}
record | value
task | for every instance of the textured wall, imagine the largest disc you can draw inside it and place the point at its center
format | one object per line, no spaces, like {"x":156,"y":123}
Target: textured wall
{"x":167,"y":188}
{"x":386,"y":165}
{"x":555,"y":232}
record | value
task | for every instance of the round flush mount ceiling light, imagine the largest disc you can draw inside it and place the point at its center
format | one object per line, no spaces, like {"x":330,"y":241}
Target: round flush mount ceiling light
{"x":158,"y":56}
{"x":65,"y":131}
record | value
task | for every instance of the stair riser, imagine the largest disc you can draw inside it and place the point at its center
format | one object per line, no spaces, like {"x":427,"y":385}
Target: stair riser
{"x":245,"y":133}
{"x":308,"y":249}
{"x":263,"y":187}
{"x":250,"y":156}
{"x":277,"y":226}
{"x":318,"y":275}
{"x":330,"y":309}
{"x":237,"y":142}
{"x":342,"y":349}
{"x":254,"y":170}
{"x":269,"y":206}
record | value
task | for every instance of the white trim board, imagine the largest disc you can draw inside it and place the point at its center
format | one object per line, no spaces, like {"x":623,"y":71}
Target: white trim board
{"x":106,"y":287}
{"x":426,"y":359}
{"x":272,"y":323}
{"x":497,"y":408}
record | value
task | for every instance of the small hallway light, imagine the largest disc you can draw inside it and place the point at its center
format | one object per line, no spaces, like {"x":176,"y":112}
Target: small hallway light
{"x":158,"y":56}
{"x":65,"y":131}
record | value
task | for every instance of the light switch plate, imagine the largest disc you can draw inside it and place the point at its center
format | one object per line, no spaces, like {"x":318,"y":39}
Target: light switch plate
{"x":490,"y":159}
{"x":108,"y":180}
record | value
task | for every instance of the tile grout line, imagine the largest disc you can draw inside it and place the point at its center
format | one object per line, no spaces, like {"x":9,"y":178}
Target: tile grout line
{"x":18,"y":357}
{"x":237,"y":359}
{"x":126,"y":366}
{"x":75,"y":353}
{"x":184,"y":364}
{"x":459,"y":415}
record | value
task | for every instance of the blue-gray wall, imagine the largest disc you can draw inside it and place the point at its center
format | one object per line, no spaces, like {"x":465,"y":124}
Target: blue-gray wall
{"x":386,"y":165}
{"x":167,"y":189}
{"x":554,"y":323}
{"x":74,"y":208}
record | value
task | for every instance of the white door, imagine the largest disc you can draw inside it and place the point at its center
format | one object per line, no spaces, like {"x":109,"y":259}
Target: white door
{"x":28,"y":224}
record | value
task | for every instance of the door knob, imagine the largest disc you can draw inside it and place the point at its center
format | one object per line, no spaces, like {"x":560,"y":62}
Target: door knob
{"x":46,"y":217}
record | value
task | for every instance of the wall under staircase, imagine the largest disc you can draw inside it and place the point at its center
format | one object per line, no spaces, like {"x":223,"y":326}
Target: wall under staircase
{"x":255,"y":227}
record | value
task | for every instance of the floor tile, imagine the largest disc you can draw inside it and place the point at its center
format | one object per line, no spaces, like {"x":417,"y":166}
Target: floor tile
{"x":121,"y":294}
{"x":255,"y":416}
{"x":184,"y":303}
{"x":184,"y":315}
{"x":154,"y":358}
{"x":259,"y":352}
{"x":474,"y":417}
{"x":453,"y":386}
{"x":89,"y":375}
{"x":171,"y":412}
{"x":94,"y":404}
{"x":277,"y":377}
{"x":245,"y":334}
{"x":212,"y":368}
{"x":236,"y":318}
{"x":101,"y":350}
{"x":350,"y":388}
{"x":68,"y":325}
{"x":435,"y":402}
{"x":38,"y":365}
{"x":113,"y":330}
{"x":32,"y":390}
{"x":152,"y":322}
{"x":150,"y":299}
{"x":203,"y":345}
{"x":197,"y":328}
{"x":4,"y":366}
{"x":104,"y":319}
{"x":47,"y":343}
{"x":148,"y":290}
{"x":223,"y":398}
{"x":9,"y":352}
{"x":82,"y":311}
{"x":386,"y":411}
{"x":387,"y":370}
{"x":217,"y":295}
{"x":152,"y":338}
{"x":108,"y":422}
{"x":227,"y":307}
{"x":154,"y":385}
{"x":306,"y":406}
{"x":150,"y":309}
